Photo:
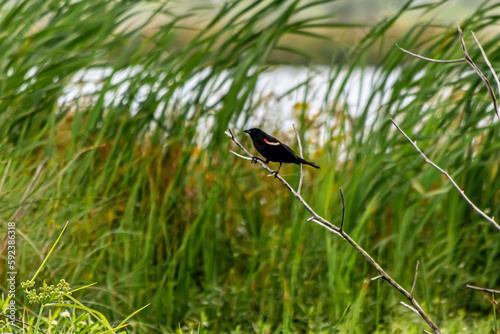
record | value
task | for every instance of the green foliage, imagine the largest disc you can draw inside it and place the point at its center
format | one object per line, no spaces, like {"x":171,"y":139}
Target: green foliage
{"x":47,"y":293}
{"x":59,"y":321}
{"x":161,"y":212}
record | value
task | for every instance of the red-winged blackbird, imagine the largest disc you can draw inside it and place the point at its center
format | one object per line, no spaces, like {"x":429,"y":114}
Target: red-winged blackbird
{"x":273,"y":150}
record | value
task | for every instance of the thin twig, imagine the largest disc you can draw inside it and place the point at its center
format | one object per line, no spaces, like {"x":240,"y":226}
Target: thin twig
{"x":478,"y":71}
{"x":409,"y":307}
{"x":491,"y":68}
{"x":491,"y":220}
{"x":430,"y":59}
{"x":301,"y":155}
{"x":468,"y":59}
{"x":331,"y":227}
{"x":241,"y":156}
{"x":343,"y":210}
{"x":376,"y":278}
{"x":414,"y":280}
{"x":482,"y":289}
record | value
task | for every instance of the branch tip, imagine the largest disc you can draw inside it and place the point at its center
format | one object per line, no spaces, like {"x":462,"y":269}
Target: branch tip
{"x":445,"y":173}
{"x":482,"y":289}
{"x":411,"y":308}
{"x":343,"y":211}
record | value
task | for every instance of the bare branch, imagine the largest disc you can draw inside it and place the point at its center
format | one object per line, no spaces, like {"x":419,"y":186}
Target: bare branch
{"x":331,"y":227}
{"x":491,"y":220}
{"x":229,"y":133}
{"x":301,"y":155}
{"x":492,"y":71}
{"x":478,"y":71}
{"x":471,"y":63}
{"x":241,"y":156}
{"x":430,"y":59}
{"x":343,"y":210}
{"x":482,"y":289}
{"x":411,"y":308}
{"x":414,"y":280}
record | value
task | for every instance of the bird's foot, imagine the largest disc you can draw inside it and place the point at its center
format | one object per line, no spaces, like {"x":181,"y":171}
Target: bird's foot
{"x":254,"y":160}
{"x":275,"y":174}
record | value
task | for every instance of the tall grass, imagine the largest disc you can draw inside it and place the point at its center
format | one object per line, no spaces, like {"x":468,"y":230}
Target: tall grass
{"x":160,"y":212}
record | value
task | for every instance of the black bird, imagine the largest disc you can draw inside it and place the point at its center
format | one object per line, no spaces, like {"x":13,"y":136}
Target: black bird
{"x":274,"y":150}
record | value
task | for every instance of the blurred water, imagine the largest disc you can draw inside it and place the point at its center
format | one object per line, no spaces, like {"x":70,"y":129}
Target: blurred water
{"x":276,"y":108}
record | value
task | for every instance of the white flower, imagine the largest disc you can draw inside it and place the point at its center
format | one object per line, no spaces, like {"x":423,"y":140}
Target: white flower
{"x":65,"y":314}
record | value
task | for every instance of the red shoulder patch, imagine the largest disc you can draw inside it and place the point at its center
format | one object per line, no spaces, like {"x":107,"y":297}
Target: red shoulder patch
{"x":270,"y":142}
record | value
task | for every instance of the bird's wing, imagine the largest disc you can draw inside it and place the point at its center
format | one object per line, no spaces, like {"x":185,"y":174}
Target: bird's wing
{"x":289,"y":150}
{"x":270,"y":140}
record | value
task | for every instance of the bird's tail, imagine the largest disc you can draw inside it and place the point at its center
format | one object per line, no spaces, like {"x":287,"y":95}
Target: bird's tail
{"x":302,"y":161}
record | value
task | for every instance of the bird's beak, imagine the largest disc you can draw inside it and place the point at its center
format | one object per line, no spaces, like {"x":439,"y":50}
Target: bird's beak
{"x":247,"y":131}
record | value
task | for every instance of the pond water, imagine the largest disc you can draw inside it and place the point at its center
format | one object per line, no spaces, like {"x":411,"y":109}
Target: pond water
{"x":276,"y":107}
